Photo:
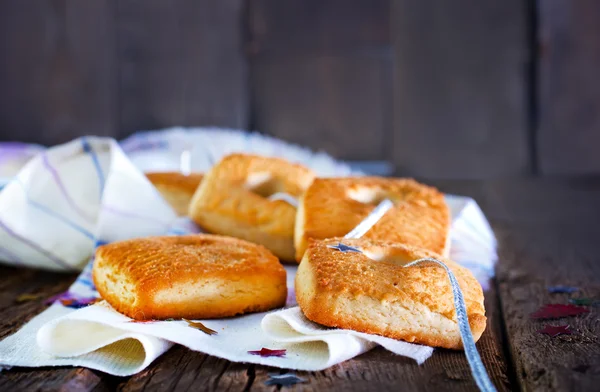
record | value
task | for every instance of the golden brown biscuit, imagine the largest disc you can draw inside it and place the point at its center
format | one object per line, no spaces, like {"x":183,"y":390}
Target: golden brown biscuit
{"x":354,"y":291}
{"x":176,"y":188}
{"x":195,"y":276}
{"x":233,"y":200}
{"x":331,"y":207}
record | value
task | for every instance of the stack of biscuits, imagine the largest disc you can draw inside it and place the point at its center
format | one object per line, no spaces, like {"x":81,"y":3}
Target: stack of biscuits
{"x":261,"y":212}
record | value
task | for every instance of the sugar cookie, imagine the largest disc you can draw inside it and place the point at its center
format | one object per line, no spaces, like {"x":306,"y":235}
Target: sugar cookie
{"x":370,"y":291}
{"x":195,"y":276}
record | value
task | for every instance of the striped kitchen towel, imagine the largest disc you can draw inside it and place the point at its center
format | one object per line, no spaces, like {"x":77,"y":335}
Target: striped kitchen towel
{"x":70,"y":198}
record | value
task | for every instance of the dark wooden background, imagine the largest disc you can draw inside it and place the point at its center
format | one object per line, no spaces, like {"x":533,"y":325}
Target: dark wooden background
{"x":442,"y":89}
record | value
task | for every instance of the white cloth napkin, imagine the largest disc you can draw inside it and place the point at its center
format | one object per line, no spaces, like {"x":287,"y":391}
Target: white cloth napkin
{"x":88,"y":192}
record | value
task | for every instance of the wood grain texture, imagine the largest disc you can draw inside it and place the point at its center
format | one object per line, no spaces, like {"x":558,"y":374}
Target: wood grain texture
{"x":566,"y":256}
{"x":569,"y":96}
{"x":14,"y":283}
{"x":57,"y":71}
{"x":335,"y":103}
{"x":182,"y":369}
{"x":18,"y":281}
{"x":560,"y":247}
{"x":548,"y":235}
{"x":460,"y":106}
{"x":325,"y":26}
{"x":321,"y":74}
{"x":181,"y":63}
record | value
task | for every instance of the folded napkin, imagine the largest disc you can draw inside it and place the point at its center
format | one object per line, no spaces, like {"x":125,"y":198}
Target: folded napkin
{"x":88,"y":192}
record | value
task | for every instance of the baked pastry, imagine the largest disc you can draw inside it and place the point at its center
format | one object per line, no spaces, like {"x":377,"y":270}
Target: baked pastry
{"x":176,"y":188}
{"x":233,"y":199}
{"x":370,"y":291}
{"x":331,"y":207}
{"x":195,"y":276}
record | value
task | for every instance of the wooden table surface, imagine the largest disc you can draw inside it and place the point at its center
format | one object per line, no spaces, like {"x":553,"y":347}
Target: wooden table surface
{"x":548,"y":235}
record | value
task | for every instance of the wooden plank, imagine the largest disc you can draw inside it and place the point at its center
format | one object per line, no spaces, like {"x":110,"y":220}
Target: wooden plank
{"x":181,"y":368}
{"x":375,"y":370}
{"x":317,"y":25}
{"x":459,"y":88}
{"x":19,"y":281}
{"x":569,"y":59}
{"x":321,"y":74}
{"x":547,"y":236}
{"x":181,"y":63}
{"x":54,"y":379}
{"x":338,"y":103}
{"x":58,"y":70}
{"x":529,"y":203}
{"x":554,"y":257}
{"x":42,"y":284}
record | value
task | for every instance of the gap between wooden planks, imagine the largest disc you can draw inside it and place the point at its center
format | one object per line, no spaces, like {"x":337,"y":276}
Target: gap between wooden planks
{"x":547,"y":235}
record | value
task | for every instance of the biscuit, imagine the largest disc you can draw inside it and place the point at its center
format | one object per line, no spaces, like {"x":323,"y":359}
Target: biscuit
{"x":233,"y":199}
{"x":332,"y":207}
{"x":195,"y":276}
{"x":372,"y":292}
{"x":176,"y":188}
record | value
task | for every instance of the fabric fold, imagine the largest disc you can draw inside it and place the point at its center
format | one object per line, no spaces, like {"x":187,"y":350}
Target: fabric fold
{"x":70,"y":198}
{"x":308,"y":346}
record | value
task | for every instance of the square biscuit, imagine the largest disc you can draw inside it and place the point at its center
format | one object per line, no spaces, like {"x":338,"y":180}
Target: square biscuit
{"x":332,"y":207}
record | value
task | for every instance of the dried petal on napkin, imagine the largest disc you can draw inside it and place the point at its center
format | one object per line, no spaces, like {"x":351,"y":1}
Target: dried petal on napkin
{"x":79,"y":303}
{"x":198,"y":325}
{"x":344,"y":248}
{"x":266,"y":352}
{"x":72,"y":301}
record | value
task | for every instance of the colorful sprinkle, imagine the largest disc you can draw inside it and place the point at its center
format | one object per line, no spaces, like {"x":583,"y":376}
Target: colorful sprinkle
{"x":344,"y":248}
{"x":562,"y":289}
{"x":284,"y":379}
{"x":552,"y":311}
{"x":79,"y":303}
{"x":70,"y":301}
{"x":585,"y":301}
{"x":555,"y":330}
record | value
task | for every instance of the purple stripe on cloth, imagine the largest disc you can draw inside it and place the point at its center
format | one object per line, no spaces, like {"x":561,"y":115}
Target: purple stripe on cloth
{"x":61,"y":186}
{"x":128,"y":214}
{"x":35,"y":246}
{"x":54,"y":214}
{"x":88,"y":149}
